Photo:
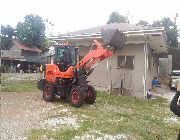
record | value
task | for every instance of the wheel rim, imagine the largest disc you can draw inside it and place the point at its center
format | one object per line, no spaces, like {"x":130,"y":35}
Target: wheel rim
{"x":46,"y":92}
{"x":75,"y":97}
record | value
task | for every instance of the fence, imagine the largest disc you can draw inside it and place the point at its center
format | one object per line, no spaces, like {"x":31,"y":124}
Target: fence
{"x":18,"y":78}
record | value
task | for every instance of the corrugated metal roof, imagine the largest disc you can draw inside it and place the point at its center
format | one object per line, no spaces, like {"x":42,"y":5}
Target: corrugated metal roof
{"x":121,"y":26}
{"x":23,"y":47}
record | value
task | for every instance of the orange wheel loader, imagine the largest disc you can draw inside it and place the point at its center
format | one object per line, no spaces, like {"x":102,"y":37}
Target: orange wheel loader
{"x":68,"y":79}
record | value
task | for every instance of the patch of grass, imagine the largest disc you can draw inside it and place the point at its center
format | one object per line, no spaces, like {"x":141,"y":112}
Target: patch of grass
{"x":24,"y":87}
{"x":113,"y":115}
{"x":62,"y":134}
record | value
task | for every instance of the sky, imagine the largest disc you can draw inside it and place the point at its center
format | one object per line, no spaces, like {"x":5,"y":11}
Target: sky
{"x":73,"y":15}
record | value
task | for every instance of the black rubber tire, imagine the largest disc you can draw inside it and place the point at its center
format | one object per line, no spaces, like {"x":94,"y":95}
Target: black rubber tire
{"x":40,"y":84}
{"x":63,"y":97}
{"x":90,"y":95}
{"x":48,"y":93}
{"x":76,"y":97}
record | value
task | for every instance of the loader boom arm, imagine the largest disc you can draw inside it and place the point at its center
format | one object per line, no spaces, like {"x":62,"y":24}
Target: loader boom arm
{"x":94,"y":56}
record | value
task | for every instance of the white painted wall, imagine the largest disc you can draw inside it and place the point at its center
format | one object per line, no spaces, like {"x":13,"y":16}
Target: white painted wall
{"x":133,"y":79}
{"x":163,"y":67}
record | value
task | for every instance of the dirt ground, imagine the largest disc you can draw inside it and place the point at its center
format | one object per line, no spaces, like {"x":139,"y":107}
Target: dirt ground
{"x":20,"y":112}
{"x":165,"y":92}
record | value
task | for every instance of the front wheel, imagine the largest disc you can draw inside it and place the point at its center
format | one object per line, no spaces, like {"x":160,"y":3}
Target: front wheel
{"x":48,"y":93}
{"x":90,"y":95}
{"x":76,"y":97}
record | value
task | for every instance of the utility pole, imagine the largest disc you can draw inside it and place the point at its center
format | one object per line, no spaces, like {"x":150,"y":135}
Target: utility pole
{"x":175,"y":18}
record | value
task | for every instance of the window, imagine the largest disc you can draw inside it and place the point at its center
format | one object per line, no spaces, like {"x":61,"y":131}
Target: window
{"x":126,"y":62}
{"x":121,"y":61}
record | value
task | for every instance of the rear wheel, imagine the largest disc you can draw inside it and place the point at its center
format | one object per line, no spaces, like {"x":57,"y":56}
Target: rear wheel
{"x":48,"y":93}
{"x":76,"y":97}
{"x":90,"y":95}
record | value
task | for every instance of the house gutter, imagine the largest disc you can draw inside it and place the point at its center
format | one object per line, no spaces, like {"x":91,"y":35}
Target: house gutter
{"x":145,"y":31}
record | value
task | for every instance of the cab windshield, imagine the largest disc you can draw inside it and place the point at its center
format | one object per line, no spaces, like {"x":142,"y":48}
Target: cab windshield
{"x":66,"y":55}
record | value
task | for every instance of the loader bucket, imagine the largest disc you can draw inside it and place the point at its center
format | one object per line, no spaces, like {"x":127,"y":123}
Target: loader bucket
{"x":114,"y":38}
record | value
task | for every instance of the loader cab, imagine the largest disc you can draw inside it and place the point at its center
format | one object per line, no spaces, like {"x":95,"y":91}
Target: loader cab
{"x":65,"y":56}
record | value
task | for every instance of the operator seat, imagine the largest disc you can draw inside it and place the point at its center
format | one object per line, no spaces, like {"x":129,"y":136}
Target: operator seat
{"x":62,"y":62}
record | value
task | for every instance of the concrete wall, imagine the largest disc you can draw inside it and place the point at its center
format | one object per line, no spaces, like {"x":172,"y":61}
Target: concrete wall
{"x":176,"y":59}
{"x":15,"y":78}
{"x":176,"y":64}
{"x":107,"y":74}
{"x":164,"y":71}
{"x":29,"y":53}
{"x":163,"y":67}
{"x":13,"y":48}
{"x":14,"y":52}
{"x":132,"y":79}
{"x":153,"y":66}
{"x":99,"y":78}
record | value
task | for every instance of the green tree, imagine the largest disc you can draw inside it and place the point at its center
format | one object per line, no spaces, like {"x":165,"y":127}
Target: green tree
{"x":32,"y":31}
{"x":157,"y":23}
{"x":7,"y":33}
{"x":171,"y":30}
{"x":48,"y":42}
{"x":143,"y":23}
{"x":116,"y":17}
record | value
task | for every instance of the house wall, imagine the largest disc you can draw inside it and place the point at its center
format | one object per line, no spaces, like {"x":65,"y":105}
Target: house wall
{"x":132,"y":79}
{"x":176,"y":59}
{"x":13,"y":52}
{"x":107,"y":74}
{"x":163,"y":67}
{"x":176,"y":65}
{"x":14,"y":47}
{"x":99,"y":77}
{"x":25,"y":55}
{"x":28,"y":53}
{"x":152,"y":67}
{"x":22,"y":53}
